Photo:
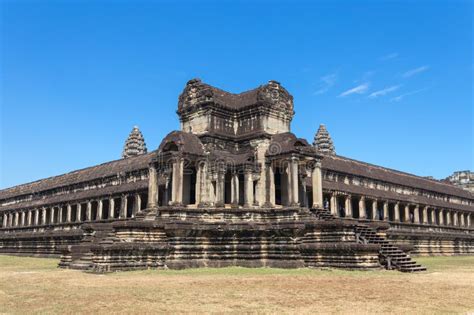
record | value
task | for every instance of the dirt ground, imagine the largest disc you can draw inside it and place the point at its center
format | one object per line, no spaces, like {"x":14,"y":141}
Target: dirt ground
{"x":34,"y":285}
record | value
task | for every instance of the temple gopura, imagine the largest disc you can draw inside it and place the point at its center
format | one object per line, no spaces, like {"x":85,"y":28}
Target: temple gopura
{"x":234,"y":187}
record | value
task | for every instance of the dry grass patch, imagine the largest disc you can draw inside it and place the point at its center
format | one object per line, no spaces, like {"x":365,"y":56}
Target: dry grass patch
{"x":32,"y":285}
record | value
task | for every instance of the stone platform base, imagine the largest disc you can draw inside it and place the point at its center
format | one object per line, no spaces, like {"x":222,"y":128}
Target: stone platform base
{"x":434,"y":244}
{"x":191,"y":238}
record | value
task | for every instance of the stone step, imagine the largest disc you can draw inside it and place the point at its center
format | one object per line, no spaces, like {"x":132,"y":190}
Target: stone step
{"x":400,"y":260}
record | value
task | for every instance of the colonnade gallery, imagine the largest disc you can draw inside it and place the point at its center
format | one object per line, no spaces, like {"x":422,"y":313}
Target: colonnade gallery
{"x":234,"y":187}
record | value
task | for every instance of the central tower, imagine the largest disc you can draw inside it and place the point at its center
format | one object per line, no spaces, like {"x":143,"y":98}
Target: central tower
{"x":207,"y":110}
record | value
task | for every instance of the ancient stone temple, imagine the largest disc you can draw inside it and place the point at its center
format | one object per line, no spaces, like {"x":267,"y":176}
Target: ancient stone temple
{"x":135,"y":144}
{"x":463,"y":179}
{"x":323,"y":142}
{"x":234,"y":187}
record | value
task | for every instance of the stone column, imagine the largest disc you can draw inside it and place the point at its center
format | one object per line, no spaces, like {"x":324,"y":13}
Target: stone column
{"x":333,"y":204}
{"x":89,"y":211}
{"x":51,"y":217}
{"x":111,"y":207}
{"x":317,"y":182}
{"x":385,"y":211}
{"x":5,"y":219}
{"x":165,"y":201}
{"x":37,"y":217}
{"x":448,"y":217}
{"x":177,"y":184}
{"x":468,"y":220}
{"x":152,"y":187}
{"x":60,"y":214}
{"x":348,"y":206}
{"x":441,"y":217}
{"x":416,"y":215}
{"x":407,"y":213}
{"x":270,"y":187}
{"x":79,"y":213}
{"x":198,"y":185}
{"x":220,"y":189}
{"x":455,"y":219}
{"x":235,"y":189}
{"x":30,"y":216}
{"x":204,"y":199}
{"x":123,"y":207}
{"x":461,"y":219}
{"x":43,"y":216}
{"x":289,"y":183}
{"x":294,"y":181}
{"x":248,"y":188}
{"x":181,"y":177}
{"x":425,"y":215}
{"x":100,"y":207}
{"x":396,"y":211}
{"x":69,"y":212}
{"x":374,"y":210}
{"x":22,"y":218}
{"x":138,"y":204}
{"x":362,"y":211}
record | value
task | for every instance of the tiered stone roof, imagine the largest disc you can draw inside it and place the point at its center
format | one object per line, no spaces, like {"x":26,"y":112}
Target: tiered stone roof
{"x":198,"y":93}
{"x":135,"y":144}
{"x":323,"y":141}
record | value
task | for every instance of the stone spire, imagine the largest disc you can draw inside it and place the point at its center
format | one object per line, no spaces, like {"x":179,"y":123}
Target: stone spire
{"x":323,"y":141}
{"x":135,"y":144}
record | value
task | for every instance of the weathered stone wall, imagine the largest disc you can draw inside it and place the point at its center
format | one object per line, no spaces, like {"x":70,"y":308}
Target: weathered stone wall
{"x":39,"y":243}
{"x":189,"y":238}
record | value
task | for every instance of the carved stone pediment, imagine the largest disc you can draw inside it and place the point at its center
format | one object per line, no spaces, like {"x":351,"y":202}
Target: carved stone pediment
{"x":277,"y":95}
{"x":194,"y":93}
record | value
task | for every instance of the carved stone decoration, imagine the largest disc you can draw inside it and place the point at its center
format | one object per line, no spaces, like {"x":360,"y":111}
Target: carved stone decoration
{"x":194,"y":93}
{"x":277,"y":95}
{"x":135,"y":144}
{"x":323,"y":142}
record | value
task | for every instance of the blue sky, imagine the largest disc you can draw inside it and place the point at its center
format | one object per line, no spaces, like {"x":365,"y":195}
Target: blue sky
{"x":392,"y":80}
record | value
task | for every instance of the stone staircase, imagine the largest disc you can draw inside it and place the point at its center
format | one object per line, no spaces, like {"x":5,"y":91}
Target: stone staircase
{"x":391,"y":256}
{"x":323,"y":214}
{"x":80,"y":256}
{"x":84,"y":262}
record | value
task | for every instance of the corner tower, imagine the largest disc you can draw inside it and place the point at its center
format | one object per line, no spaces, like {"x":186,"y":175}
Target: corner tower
{"x":323,"y":142}
{"x":135,"y":144}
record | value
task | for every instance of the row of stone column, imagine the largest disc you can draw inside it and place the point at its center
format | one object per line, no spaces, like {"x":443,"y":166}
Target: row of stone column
{"x":205,"y":191}
{"x":401,"y":212}
{"x":71,"y":213}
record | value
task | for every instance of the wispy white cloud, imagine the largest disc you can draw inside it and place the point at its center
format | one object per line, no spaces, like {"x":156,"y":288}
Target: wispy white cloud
{"x":389,"y":56}
{"x":415,"y":71}
{"x":360,"y":89}
{"x":384,"y":91}
{"x":325,"y":83}
{"x":402,"y":96}
{"x":366,"y":76}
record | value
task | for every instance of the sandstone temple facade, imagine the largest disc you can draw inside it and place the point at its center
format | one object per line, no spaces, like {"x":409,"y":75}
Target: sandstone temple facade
{"x":234,"y":186}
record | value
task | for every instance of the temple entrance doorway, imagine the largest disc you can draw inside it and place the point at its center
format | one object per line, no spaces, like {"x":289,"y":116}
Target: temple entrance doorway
{"x":189,"y":186}
{"x":341,"y":205}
